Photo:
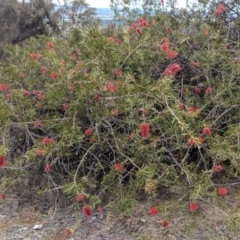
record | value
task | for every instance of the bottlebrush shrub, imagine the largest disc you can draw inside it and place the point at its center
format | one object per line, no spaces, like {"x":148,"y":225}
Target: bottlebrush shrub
{"x":125,"y":69}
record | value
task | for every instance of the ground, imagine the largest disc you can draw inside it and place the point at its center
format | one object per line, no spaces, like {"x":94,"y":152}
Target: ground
{"x":217,"y":218}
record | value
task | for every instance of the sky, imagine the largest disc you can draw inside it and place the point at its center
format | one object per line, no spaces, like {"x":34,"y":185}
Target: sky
{"x":106,"y":3}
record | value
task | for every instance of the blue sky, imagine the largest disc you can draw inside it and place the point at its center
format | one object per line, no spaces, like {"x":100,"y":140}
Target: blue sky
{"x":105,"y":3}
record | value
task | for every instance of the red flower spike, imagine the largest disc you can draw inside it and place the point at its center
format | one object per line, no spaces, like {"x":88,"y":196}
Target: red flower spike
{"x":54,"y":75}
{"x":145,"y":128}
{"x":222,"y":191}
{"x":21,"y":75}
{"x":69,"y":232}
{"x":2,"y":196}
{"x":44,"y":70}
{"x":97,"y":97}
{"x":194,"y":64}
{"x":119,"y":167}
{"x":206,"y":31}
{"x":47,"y":141}
{"x":39,"y":152}
{"x":35,"y":56}
{"x":9,"y":96}
{"x":130,"y":136}
{"x":209,"y":90}
{"x":153,"y":211}
{"x":194,"y":207}
{"x":138,"y":30}
{"x":197,"y":90}
{"x":49,"y":168}
{"x":87,"y":211}
{"x":3,"y":87}
{"x":111,"y":88}
{"x":3,"y":161}
{"x":100,"y":209}
{"x":65,"y":106}
{"x":164,"y":223}
{"x":80,"y":197}
{"x":207,"y":131}
{"x":221,"y":8}
{"x":50,"y":45}
{"x":88,"y":132}
{"x":172,"y":70}
{"x":38,"y":124}
{"x":165,"y":46}
{"x":217,"y":168}
{"x":172,"y":54}
{"x":181,"y":105}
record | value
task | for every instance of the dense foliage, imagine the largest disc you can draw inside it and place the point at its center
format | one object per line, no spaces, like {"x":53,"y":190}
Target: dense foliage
{"x":112,"y":113}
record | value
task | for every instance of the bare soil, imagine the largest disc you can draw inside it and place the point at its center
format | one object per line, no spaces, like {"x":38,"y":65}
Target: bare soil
{"x":218,"y":218}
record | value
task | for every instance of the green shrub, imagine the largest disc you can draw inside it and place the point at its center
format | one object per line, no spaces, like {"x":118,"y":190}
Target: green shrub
{"x":114,"y":112}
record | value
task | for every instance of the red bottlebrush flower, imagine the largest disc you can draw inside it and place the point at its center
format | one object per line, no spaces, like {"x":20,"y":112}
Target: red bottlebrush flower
{"x":197,"y":90}
{"x":69,"y":232}
{"x":98,"y":97}
{"x":164,"y":223}
{"x":111,"y":88}
{"x":181,"y":105}
{"x":92,"y":140}
{"x":87,"y":211}
{"x":50,"y":45}
{"x":172,"y":70}
{"x":117,"y":73}
{"x":38,"y":124}
{"x":2,"y":196}
{"x":193,"y":110}
{"x":65,"y":106}
{"x":142,"y":22}
{"x":47,"y":140}
{"x":207,"y":131}
{"x":130,"y":136}
{"x":44,"y":70}
{"x":3,"y":87}
{"x":115,"y":112}
{"x":221,"y":8}
{"x":193,"y":141}
{"x":194,"y":64}
{"x":80,"y":197}
{"x":194,"y":207}
{"x":88,"y":132}
{"x":209,"y":90}
{"x":9,"y":96}
{"x":172,"y":54}
{"x":165,"y":46}
{"x":119,"y":167}
{"x":138,"y":30}
{"x":144,"y":111}
{"x":217,"y":168}
{"x":145,"y":128}
{"x":49,"y":168}
{"x":26,"y":93}
{"x":100,"y":209}
{"x":74,"y":56}
{"x":153,"y":211}
{"x":54,"y":75}
{"x":35,"y":56}
{"x":39,"y":152}
{"x":2,"y":161}
{"x":222,"y":191}
{"x":206,"y":31}
{"x":21,"y":75}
